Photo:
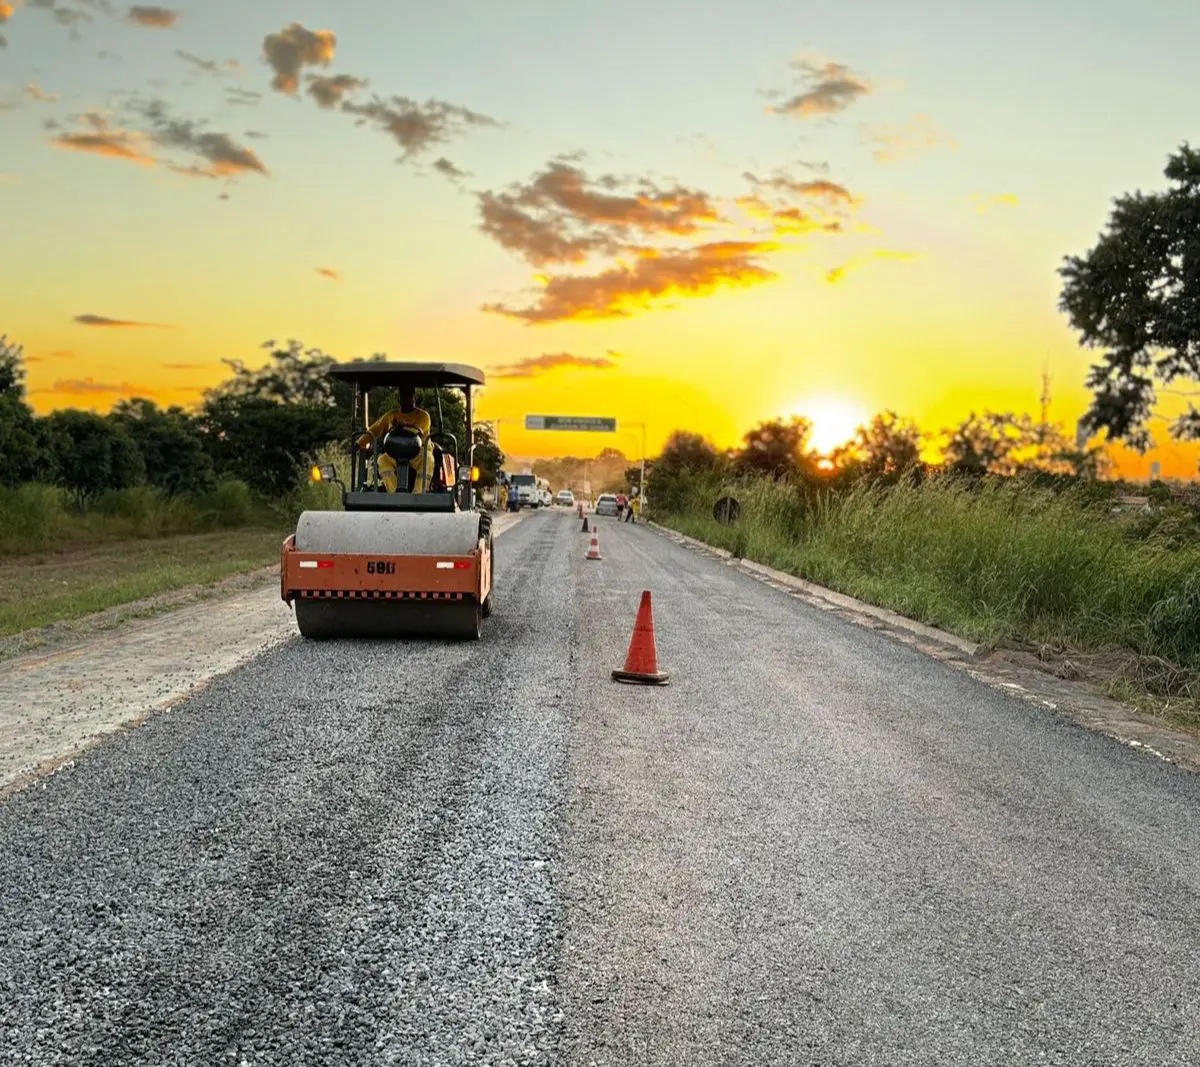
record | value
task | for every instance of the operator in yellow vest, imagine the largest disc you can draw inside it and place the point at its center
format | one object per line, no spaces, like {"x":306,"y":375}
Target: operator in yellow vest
{"x":407,"y":414}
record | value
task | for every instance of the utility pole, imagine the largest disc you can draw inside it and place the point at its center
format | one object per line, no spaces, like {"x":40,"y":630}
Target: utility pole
{"x":1044,"y":427}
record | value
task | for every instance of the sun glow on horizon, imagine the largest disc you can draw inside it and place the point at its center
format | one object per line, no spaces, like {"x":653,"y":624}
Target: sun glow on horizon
{"x":835,"y":420}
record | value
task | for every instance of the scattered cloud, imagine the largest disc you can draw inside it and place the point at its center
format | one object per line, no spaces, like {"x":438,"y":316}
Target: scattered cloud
{"x":892,"y":144}
{"x":184,"y":366}
{"x":9,"y":179}
{"x":448,"y":170}
{"x":99,"y":138}
{"x":328,"y":91}
{"x":103,"y":322}
{"x":209,"y":66}
{"x":537,"y":365}
{"x":984,"y":204}
{"x":837,"y":274}
{"x":35,"y":93}
{"x":89,"y":386}
{"x":329,"y":272}
{"x":782,"y":182}
{"x":153,"y":17}
{"x":627,"y":288}
{"x":255,"y":135}
{"x":562,"y":216}
{"x":245,"y":97}
{"x":63,"y":353}
{"x":415,"y":126}
{"x":221,"y":156}
{"x":294,"y":48}
{"x":795,"y":206}
{"x":824,"y":88}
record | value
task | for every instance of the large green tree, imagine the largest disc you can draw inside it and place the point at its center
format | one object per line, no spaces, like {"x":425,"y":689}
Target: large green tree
{"x":20,"y":455}
{"x":90,"y":454}
{"x":883,"y":450}
{"x":778,"y":448}
{"x":171,"y":444}
{"x":1136,"y":297}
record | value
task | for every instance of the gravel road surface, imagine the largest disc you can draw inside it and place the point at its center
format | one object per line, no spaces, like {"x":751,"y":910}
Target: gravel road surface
{"x":816,"y":846}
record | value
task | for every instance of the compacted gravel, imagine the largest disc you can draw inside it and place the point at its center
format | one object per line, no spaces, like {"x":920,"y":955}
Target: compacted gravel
{"x":341,"y":854}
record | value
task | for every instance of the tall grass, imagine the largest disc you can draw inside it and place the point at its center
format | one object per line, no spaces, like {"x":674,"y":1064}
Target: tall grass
{"x":41,"y":517}
{"x":993,"y":562}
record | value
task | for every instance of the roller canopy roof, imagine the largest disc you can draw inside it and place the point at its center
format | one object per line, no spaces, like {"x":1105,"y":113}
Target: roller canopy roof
{"x":390,"y":374}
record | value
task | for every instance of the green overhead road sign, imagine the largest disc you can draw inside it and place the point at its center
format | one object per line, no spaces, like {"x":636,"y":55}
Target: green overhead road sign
{"x":570,"y":422}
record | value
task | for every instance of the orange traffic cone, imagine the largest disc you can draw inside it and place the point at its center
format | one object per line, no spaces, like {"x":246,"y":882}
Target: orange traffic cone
{"x":593,"y":551}
{"x":641,"y":663}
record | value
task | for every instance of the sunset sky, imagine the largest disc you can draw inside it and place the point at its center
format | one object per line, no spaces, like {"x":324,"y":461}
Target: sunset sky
{"x":694,"y":215}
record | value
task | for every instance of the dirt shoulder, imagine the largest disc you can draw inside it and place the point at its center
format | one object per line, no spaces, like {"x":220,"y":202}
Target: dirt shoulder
{"x":66,"y":686}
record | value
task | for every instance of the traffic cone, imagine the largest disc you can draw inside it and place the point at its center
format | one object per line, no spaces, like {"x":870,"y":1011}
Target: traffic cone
{"x":585,"y":525}
{"x":593,"y":551}
{"x":641,"y":662}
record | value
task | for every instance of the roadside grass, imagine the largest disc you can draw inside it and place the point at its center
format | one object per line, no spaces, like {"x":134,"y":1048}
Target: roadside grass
{"x":37,"y":518}
{"x":1004,"y":564}
{"x":51,"y":586}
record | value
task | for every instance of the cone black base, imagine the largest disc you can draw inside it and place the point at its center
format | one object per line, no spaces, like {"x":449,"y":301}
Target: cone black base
{"x":631,"y":678}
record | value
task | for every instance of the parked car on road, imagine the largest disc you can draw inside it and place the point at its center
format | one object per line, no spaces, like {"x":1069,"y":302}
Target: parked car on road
{"x":545,"y":500}
{"x":606,"y":504}
{"x":566,"y":498}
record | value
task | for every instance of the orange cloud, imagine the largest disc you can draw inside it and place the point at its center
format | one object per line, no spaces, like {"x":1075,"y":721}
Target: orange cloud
{"x":329,"y":272}
{"x":153,"y":17}
{"x":328,"y":91}
{"x":562,"y":216}
{"x":102,"y":140}
{"x":626,"y":289}
{"x":535,"y":365}
{"x":825,"y":88}
{"x":891,"y":144}
{"x":294,"y":48}
{"x":104,"y":322}
{"x":837,"y":274}
{"x":89,"y":386}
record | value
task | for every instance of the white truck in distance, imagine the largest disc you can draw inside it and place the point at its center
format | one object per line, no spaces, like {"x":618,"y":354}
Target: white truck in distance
{"x":523,"y":491}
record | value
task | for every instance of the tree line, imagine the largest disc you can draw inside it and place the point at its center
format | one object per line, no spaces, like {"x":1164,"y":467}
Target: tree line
{"x":261,"y":426}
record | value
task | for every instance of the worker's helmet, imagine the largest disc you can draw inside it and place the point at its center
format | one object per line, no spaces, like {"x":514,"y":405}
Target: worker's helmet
{"x":403,"y":444}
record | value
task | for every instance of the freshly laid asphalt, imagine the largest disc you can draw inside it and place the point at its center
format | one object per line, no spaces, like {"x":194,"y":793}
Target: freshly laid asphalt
{"x":815,"y":846}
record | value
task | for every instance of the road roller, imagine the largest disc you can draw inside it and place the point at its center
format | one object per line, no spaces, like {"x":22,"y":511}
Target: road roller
{"x":409,"y":555}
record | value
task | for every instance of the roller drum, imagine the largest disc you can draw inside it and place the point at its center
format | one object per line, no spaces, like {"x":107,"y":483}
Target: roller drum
{"x":386,"y":619}
{"x":389,"y":533}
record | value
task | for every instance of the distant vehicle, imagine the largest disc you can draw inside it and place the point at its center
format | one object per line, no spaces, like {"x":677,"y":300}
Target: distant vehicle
{"x":566,"y":498}
{"x":606,"y":504}
{"x":544,"y":498}
{"x":523,"y":492}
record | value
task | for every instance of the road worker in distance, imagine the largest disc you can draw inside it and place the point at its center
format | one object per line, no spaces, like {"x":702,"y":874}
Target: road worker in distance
{"x":407,"y":414}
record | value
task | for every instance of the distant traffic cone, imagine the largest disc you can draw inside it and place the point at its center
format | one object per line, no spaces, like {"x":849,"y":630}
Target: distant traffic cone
{"x":593,"y":551}
{"x":641,"y":663}
{"x":585,"y":525}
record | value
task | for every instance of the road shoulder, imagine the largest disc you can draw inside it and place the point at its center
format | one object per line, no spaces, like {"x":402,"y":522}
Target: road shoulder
{"x":111,"y":671}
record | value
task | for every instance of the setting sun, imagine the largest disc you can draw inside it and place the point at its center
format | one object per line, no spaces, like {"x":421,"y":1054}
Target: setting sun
{"x":834,"y":420}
